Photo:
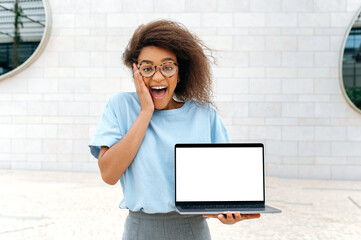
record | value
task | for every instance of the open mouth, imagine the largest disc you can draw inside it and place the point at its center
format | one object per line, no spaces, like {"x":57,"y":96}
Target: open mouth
{"x":158,"y":92}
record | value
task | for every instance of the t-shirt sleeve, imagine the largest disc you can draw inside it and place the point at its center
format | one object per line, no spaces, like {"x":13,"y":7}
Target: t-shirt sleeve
{"x":219,"y":132}
{"x":108,"y":132}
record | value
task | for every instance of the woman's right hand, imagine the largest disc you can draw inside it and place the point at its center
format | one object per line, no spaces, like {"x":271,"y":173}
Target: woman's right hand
{"x":114,"y":161}
{"x":145,"y":99}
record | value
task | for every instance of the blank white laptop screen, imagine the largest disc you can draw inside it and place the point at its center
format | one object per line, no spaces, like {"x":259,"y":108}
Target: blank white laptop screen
{"x":219,"y":174}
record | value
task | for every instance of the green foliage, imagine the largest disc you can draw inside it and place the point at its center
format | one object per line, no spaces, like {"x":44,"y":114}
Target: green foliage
{"x":354,"y":93}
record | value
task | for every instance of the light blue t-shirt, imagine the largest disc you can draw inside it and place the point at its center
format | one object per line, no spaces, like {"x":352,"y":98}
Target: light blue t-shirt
{"x":148,"y":183}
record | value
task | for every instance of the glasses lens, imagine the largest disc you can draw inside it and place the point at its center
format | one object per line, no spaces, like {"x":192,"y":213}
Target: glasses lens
{"x":169,"y":69}
{"x":146,"y":70}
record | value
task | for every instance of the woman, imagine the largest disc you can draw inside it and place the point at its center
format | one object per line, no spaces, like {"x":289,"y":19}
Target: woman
{"x":135,"y":138}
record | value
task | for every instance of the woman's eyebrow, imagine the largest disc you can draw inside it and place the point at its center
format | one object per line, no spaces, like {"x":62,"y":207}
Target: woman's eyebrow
{"x":146,"y":61}
{"x":167,"y":59}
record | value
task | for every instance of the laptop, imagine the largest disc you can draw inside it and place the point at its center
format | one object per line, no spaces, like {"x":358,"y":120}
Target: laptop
{"x":214,"y":178}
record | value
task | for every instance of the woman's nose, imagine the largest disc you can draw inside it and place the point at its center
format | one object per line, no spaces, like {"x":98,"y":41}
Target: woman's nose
{"x":157,"y":74}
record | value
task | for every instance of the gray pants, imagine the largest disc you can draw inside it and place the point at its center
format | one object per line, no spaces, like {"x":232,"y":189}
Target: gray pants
{"x":163,"y":226}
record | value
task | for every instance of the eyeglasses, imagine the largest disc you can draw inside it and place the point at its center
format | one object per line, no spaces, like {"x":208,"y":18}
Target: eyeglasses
{"x":167,"y":69}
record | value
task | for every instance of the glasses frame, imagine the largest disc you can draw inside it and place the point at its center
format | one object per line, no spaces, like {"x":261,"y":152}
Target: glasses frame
{"x":160,"y":69}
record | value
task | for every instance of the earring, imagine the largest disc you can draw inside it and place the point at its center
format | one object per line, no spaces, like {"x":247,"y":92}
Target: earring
{"x":178,"y":80}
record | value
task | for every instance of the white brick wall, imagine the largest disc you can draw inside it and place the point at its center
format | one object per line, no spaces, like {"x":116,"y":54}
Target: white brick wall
{"x":276,"y":81}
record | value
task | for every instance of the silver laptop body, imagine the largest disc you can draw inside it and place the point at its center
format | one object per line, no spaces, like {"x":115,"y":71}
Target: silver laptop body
{"x":217,"y":178}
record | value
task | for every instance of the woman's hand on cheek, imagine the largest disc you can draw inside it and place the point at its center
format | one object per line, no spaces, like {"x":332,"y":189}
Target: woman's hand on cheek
{"x":232,"y":218}
{"x":145,"y":99}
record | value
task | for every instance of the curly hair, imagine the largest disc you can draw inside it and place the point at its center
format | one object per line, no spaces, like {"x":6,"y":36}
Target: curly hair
{"x":194,"y":65}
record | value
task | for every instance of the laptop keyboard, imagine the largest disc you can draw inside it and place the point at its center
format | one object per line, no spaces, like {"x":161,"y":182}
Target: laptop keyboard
{"x":220,"y":206}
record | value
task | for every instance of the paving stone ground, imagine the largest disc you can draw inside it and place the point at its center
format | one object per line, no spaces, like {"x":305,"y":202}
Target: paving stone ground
{"x":37,"y":205}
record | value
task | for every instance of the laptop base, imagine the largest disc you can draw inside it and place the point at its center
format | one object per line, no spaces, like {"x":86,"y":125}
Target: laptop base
{"x":252,"y":210}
